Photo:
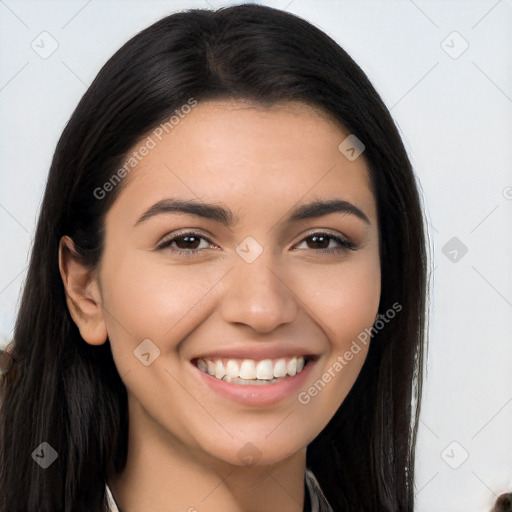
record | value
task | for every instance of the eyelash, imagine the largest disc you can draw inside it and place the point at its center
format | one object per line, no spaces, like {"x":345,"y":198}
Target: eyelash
{"x":345,"y":244}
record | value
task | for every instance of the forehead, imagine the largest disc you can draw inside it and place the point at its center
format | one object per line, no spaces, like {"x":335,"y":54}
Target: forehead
{"x":253,"y":156}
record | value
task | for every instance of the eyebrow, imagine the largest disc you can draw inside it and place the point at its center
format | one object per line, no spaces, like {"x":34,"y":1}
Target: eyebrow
{"x":226,"y":217}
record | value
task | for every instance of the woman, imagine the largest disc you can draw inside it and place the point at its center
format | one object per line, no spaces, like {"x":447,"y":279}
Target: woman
{"x":276,"y":365}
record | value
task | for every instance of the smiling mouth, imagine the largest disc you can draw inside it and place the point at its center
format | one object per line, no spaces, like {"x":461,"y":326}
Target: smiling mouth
{"x":252,"y":372}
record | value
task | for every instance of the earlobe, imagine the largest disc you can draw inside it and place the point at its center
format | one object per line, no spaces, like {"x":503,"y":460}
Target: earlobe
{"x":83,"y":295}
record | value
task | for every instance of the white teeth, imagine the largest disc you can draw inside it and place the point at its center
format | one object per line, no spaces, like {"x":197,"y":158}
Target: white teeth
{"x":249,"y":371}
{"x":210,"y":367}
{"x":254,"y":382}
{"x":220,"y":371}
{"x":264,"y":369}
{"x":292,"y":367}
{"x":232,"y":369}
{"x":280,"y":368}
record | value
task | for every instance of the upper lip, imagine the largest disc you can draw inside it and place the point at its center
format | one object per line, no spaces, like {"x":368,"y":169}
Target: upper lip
{"x":257,"y":353}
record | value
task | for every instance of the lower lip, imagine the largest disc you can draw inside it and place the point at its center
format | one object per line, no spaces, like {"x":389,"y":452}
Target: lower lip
{"x":257,"y":395}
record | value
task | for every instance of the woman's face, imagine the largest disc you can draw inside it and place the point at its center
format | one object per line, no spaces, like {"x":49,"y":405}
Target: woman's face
{"x":260,"y":284}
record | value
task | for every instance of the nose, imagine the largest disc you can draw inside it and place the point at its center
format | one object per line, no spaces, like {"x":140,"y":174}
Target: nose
{"x":259,"y":294}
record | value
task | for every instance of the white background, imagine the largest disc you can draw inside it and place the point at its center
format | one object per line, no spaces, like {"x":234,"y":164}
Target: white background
{"x":454,"y":111}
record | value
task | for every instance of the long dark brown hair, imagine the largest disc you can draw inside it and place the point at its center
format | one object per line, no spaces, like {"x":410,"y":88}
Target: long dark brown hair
{"x":68,"y":393}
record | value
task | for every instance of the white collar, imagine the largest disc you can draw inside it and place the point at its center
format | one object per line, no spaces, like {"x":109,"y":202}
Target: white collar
{"x":319,"y":502}
{"x":112,"y":505}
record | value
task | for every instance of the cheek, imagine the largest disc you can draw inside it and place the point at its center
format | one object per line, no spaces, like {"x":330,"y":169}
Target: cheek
{"x":144,"y":298}
{"x":346,"y":305}
{"x":345,"y":297}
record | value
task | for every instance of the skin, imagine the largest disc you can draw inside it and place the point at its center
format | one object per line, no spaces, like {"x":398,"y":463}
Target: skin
{"x":260,"y":162}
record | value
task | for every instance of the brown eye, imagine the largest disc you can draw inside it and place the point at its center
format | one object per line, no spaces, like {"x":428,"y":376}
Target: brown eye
{"x":321,"y":242}
{"x":185,"y":243}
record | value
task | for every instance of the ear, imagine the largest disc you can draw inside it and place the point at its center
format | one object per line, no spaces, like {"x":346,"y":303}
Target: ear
{"x":83,"y":295}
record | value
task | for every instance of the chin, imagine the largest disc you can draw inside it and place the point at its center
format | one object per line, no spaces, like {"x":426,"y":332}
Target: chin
{"x":258,"y":452}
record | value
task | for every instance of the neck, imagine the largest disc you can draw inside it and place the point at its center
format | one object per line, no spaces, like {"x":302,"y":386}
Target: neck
{"x":161,"y":471}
